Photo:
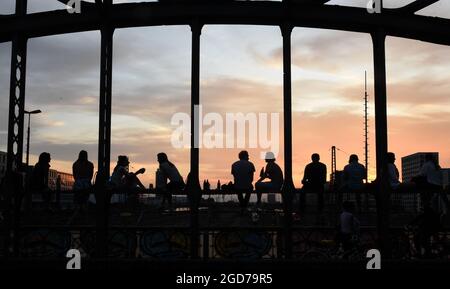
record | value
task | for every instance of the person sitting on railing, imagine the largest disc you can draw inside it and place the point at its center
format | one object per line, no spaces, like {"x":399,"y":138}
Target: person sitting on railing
{"x":168,"y":172}
{"x":83,"y":171}
{"x":393,"y":179}
{"x":123,"y":181}
{"x":429,"y":181}
{"x":272,"y":172}
{"x":354,"y":175}
{"x":392,"y":171}
{"x":39,"y":179}
{"x":313,"y":181}
{"x":243,"y":171}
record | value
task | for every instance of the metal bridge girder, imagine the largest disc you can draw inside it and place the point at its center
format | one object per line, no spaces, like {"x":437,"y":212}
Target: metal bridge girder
{"x":17,"y":95}
{"x":105,"y":103}
{"x":395,"y":22}
{"x":416,"y":6}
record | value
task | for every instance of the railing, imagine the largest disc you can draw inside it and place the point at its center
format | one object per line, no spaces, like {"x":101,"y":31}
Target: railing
{"x":216,"y":243}
{"x":400,"y":201}
{"x":260,"y":242}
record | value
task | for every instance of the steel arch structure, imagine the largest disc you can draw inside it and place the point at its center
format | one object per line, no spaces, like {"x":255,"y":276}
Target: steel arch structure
{"x":104,"y":16}
{"x":400,"y":22}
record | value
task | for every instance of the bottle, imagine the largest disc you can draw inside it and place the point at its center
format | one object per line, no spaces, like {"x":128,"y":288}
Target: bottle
{"x":218,"y":185}
{"x":262,"y":173}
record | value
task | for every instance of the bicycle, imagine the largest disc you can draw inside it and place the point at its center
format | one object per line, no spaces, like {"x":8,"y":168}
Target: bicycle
{"x":410,"y":245}
{"x":326,"y":250}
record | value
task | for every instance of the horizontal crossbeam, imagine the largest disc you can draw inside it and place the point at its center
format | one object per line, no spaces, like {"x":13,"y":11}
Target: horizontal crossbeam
{"x":393,"y":23}
{"x":417,"y":5}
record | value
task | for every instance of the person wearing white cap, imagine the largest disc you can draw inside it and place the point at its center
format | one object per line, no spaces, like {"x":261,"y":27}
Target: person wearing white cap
{"x":272,"y":172}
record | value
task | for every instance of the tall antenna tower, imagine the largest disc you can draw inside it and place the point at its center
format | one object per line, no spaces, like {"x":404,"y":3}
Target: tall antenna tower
{"x":333,"y":166}
{"x":366,"y":128}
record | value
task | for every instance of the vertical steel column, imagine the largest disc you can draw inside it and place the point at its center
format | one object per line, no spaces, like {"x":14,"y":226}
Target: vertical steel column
{"x":194,"y":190}
{"x":195,"y":98}
{"x":104,"y":148}
{"x":15,"y":133}
{"x":288,"y":186}
{"x":379,"y":54}
{"x":104,"y":145}
{"x":383,"y":193}
{"x":17,"y":95}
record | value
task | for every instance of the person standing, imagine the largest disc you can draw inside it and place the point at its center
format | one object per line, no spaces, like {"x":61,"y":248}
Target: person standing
{"x":348,"y":226}
{"x":243,"y":171}
{"x":313,"y":181}
{"x":83,"y":171}
{"x":39,"y":179}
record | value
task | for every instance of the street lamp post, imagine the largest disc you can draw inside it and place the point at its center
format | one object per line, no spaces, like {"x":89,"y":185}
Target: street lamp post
{"x":28,"y":133}
{"x":28,"y":198}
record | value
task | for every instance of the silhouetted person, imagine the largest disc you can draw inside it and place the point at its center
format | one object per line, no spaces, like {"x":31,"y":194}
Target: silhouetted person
{"x":354,"y":175}
{"x":272,"y":172}
{"x":169,"y":172}
{"x":431,"y":173}
{"x":393,"y":174}
{"x":39,"y":179}
{"x":428,"y":224}
{"x":429,"y":180}
{"x":348,"y":226}
{"x":314,"y":179}
{"x":124,"y":181}
{"x":243,"y":171}
{"x":393,"y":180}
{"x":12,"y":189}
{"x":83,"y":171}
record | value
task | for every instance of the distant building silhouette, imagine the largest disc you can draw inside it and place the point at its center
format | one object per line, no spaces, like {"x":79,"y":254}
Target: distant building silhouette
{"x":412,"y":164}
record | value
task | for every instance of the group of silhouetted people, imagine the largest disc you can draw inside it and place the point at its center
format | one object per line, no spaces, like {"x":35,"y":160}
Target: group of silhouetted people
{"x":169,"y":179}
{"x":121,"y":181}
{"x":270,"y":177}
{"x":315,"y":176}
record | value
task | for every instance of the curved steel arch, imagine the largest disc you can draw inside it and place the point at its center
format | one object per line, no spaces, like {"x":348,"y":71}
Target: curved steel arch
{"x":400,"y":22}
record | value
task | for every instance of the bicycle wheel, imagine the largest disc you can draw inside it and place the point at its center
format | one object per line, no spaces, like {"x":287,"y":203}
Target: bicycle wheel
{"x":315,"y":256}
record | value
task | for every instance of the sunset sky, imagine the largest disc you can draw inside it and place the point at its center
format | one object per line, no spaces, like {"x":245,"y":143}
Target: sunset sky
{"x":241,"y":71}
